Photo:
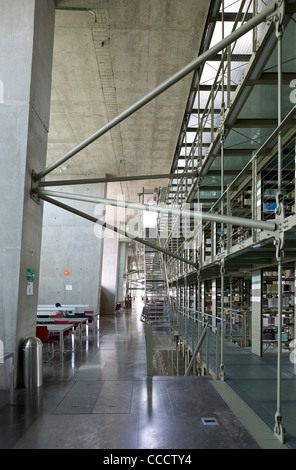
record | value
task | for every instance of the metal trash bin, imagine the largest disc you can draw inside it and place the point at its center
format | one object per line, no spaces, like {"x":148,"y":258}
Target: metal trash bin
{"x":32,"y":363}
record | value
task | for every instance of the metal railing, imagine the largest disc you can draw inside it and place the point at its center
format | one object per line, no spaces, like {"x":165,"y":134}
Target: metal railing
{"x":197,"y":337}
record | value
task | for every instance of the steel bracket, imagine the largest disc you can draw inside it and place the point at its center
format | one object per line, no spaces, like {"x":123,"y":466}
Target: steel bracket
{"x":279,"y":238}
{"x":279,"y":429}
{"x":280,"y":203}
{"x":279,"y":244}
{"x":277,"y":17}
{"x":222,"y":372}
{"x":34,"y":188}
{"x":222,"y":134}
{"x":222,"y":267}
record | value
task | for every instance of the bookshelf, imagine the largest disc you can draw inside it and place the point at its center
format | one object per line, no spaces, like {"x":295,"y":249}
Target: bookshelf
{"x":270,"y":326}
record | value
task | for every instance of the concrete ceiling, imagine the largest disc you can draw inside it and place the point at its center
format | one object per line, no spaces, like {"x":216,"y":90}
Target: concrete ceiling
{"x":106,"y":62}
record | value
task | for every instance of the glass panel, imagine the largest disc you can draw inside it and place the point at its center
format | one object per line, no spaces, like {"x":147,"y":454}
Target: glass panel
{"x":262,"y":102}
{"x":247,"y":138}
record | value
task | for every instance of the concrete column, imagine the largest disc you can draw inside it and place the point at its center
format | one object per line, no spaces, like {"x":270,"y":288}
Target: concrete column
{"x":111,"y":264}
{"x":109,"y":273}
{"x":26,"y":38}
{"x":256,"y":299}
{"x":122,"y":268}
{"x":71,"y":254}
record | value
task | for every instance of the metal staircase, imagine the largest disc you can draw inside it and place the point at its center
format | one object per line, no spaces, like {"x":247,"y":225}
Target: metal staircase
{"x":155,"y":284}
{"x":157,"y":311}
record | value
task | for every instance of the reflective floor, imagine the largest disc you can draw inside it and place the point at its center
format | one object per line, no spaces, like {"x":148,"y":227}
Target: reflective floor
{"x":99,"y":397}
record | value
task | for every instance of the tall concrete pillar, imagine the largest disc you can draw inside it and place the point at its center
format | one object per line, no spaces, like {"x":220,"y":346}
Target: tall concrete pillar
{"x":116,"y":217}
{"x":122,"y":268}
{"x":109,"y":273}
{"x":26,"y":38}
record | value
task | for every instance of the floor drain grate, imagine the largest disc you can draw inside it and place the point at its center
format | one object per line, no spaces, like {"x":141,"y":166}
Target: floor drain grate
{"x":209,"y":421}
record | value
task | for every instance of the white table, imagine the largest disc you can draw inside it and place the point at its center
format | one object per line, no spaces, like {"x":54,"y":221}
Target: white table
{"x":54,"y":310}
{"x":76,"y":319}
{"x":95,"y":324}
{"x":71,"y":319}
{"x":61,"y":330}
{"x":5,"y":357}
{"x":68,"y":307}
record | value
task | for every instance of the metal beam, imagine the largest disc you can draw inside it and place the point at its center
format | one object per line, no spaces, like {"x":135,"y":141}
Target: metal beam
{"x":204,"y":129}
{"x":217,"y":88}
{"x":233,"y":58}
{"x":115,"y":229}
{"x":257,"y":123}
{"x":238,"y":221}
{"x":230,"y":17}
{"x":271,"y":79}
{"x":114,"y":179}
{"x":243,"y":124}
{"x":245,"y":28}
{"x":218,"y":173}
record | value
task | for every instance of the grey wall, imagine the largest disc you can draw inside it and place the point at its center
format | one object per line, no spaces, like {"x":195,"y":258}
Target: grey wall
{"x":109,"y":273}
{"x":71,"y":243}
{"x":26,"y":38}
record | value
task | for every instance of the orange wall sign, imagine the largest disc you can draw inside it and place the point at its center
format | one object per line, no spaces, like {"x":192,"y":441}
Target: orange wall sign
{"x":66,"y":272}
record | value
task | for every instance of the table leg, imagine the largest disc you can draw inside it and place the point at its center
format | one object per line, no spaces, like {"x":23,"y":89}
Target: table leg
{"x":61,"y":345}
{"x":73,"y":337}
{"x":11,"y":380}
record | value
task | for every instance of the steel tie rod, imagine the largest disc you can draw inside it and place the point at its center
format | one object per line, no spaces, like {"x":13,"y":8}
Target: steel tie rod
{"x":197,"y":215}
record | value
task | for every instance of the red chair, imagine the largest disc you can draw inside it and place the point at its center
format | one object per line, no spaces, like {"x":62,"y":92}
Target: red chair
{"x":41,"y":333}
{"x":90,"y":319}
{"x":56,"y":337}
{"x":58,"y":315}
{"x":117,"y":307}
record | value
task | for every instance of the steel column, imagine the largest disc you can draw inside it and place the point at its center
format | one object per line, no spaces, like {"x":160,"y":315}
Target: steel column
{"x":278,"y":428}
{"x":254,"y":194}
{"x":222,"y":368}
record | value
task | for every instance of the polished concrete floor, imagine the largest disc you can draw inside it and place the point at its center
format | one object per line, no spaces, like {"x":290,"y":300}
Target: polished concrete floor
{"x":99,"y":397}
